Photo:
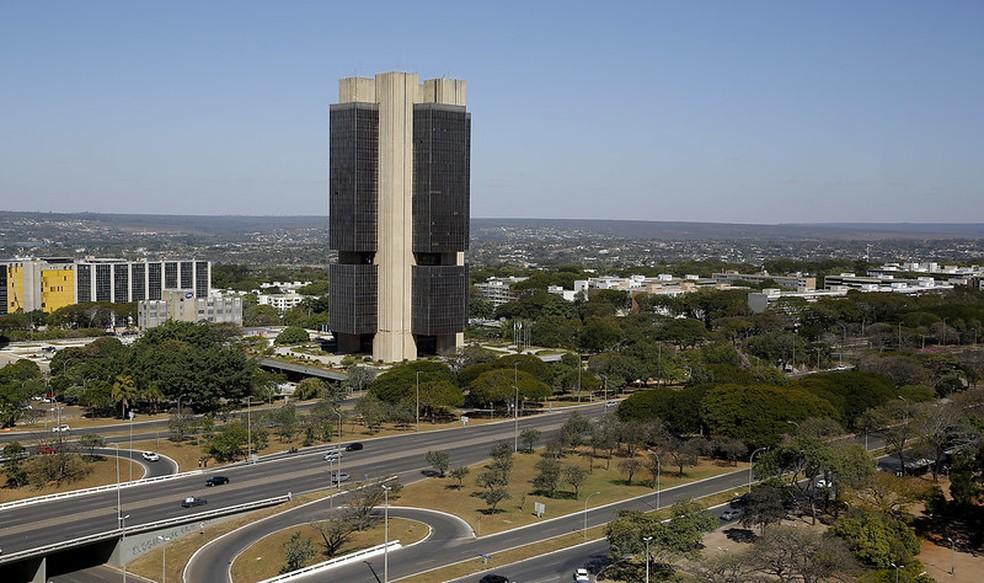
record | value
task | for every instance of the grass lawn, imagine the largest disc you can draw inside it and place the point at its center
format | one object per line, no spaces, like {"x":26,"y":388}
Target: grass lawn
{"x":442,"y":494}
{"x":103,"y":472}
{"x":265,"y":558}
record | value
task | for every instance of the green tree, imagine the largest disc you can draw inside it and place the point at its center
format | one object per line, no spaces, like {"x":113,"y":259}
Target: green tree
{"x":459,"y":474}
{"x":497,"y":387}
{"x":292,"y":335}
{"x":438,"y":398}
{"x":757,"y":415}
{"x":19,"y":381}
{"x":229,"y":443}
{"x":309,"y":388}
{"x":877,"y":540}
{"x":548,"y":477}
{"x":14,"y":455}
{"x":439,"y":460}
{"x":399,"y":383}
{"x":371,"y":411}
{"x":124,"y":393}
{"x":630,"y":467}
{"x":575,"y":476}
{"x":298,"y":551}
{"x":529,"y":437}
{"x":764,"y":505}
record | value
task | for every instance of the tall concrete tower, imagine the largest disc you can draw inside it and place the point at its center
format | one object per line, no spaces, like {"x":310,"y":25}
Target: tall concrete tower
{"x":399,"y":188}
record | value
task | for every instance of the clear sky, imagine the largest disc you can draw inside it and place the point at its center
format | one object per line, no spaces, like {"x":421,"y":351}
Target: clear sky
{"x":732,"y":111}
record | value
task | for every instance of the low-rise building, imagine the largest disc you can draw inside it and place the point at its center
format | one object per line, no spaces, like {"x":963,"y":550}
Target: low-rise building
{"x":183,"y":306}
{"x":281,"y":302}
{"x":790,"y":281}
{"x":498,"y":290}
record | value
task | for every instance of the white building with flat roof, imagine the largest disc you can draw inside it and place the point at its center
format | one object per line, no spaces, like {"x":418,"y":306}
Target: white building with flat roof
{"x":183,"y":306}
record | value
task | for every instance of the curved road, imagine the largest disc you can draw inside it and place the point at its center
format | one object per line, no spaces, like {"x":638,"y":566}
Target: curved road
{"x":163,"y":467}
{"x":214,"y":560}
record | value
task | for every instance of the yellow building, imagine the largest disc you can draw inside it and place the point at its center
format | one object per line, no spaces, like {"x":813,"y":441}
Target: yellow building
{"x":57,"y":288}
{"x":31,"y":285}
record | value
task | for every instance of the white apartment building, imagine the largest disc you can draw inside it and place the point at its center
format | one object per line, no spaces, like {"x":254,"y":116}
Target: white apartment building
{"x":498,"y":289}
{"x":183,"y":306}
{"x":281,"y":302}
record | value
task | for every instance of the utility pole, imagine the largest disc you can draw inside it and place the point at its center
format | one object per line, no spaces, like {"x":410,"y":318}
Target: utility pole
{"x":386,"y":557}
{"x":751,"y":462}
{"x":647,"y":540}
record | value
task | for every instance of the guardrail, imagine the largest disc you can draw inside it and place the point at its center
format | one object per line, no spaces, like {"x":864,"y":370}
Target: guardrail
{"x":136,"y":528}
{"x":96,"y":490}
{"x":336,"y":562}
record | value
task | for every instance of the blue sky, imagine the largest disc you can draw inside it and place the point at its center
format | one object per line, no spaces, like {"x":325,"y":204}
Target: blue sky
{"x":707,"y":111}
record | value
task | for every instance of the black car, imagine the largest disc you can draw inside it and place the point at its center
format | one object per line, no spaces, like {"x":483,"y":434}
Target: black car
{"x":217,"y":481}
{"x":193,"y":501}
{"x":353,"y":446}
{"x":493,"y":578}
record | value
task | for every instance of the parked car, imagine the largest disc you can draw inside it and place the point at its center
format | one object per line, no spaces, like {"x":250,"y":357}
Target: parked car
{"x":60,"y":428}
{"x":193,"y":501}
{"x":730,"y":514}
{"x":582,"y":576}
{"x":150,"y":456}
{"x":217,"y":481}
{"x":353,"y":446}
{"x":493,"y":578}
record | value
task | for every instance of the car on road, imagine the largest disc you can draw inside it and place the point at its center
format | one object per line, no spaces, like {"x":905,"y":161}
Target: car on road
{"x":46,"y":450}
{"x":730,"y":514}
{"x":60,"y":428}
{"x":353,"y":447}
{"x":493,"y":578}
{"x":582,"y":576}
{"x":150,"y":456}
{"x":217,"y":481}
{"x":611,"y":404}
{"x":339,"y":477}
{"x":192,"y":501}
{"x":823,"y":484}
{"x":331,"y":456}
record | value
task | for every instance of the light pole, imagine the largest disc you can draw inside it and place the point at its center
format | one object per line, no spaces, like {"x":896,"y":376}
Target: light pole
{"x":516,"y":407}
{"x":418,"y":400}
{"x":123,"y":543}
{"x":130,"y":413}
{"x":164,"y":539}
{"x":119,"y":506}
{"x":341,"y":427}
{"x":386,"y":556}
{"x":249,"y":428}
{"x":647,"y":540}
{"x":896,"y":567}
{"x":751,"y":461}
{"x":605,"y":377}
{"x":795,"y":424}
{"x":585,"y":530}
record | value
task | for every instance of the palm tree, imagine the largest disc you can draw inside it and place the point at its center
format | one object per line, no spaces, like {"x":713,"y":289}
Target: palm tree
{"x":152,"y":395}
{"x":124,"y":392}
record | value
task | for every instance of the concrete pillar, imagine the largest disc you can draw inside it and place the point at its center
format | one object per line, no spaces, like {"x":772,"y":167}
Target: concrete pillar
{"x":395,"y":94}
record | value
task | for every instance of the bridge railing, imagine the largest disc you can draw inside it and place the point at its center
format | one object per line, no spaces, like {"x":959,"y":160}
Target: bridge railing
{"x":336,"y":562}
{"x":144,"y":527}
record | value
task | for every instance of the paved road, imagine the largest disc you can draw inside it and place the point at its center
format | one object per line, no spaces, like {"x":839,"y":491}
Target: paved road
{"x":163,"y":467}
{"x":100,"y":574}
{"x":213,"y":562}
{"x":35,"y":525}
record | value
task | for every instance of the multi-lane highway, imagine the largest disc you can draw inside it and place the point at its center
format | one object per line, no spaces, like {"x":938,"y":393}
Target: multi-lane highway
{"x":35,"y":525}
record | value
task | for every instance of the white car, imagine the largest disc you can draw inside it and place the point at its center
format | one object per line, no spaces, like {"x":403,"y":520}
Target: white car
{"x":731,"y":514}
{"x":60,"y":428}
{"x":582,"y":576}
{"x":150,"y":456}
{"x":332,"y":456}
{"x":823,"y":484}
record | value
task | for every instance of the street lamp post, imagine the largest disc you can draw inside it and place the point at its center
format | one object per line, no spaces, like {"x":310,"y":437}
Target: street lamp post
{"x":585,"y":530}
{"x":659,"y":470}
{"x":164,"y":539}
{"x":751,"y":462}
{"x":123,"y":542}
{"x":130,"y":414}
{"x":647,"y":540}
{"x":896,"y":567}
{"x":249,"y":429}
{"x":341,"y":427}
{"x":516,"y":407}
{"x":418,"y":400}
{"x":386,"y":490}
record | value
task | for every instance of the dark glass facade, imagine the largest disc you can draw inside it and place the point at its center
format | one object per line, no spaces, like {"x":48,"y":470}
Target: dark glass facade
{"x":138,"y":282}
{"x":83,"y":283}
{"x":104,"y":283}
{"x":438,"y":299}
{"x":352,"y":177}
{"x":187,"y":277}
{"x":121,"y":283}
{"x":441,"y":183}
{"x":201,"y":279}
{"x":170,"y":275}
{"x":154,"y":281}
{"x":353,"y":298}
